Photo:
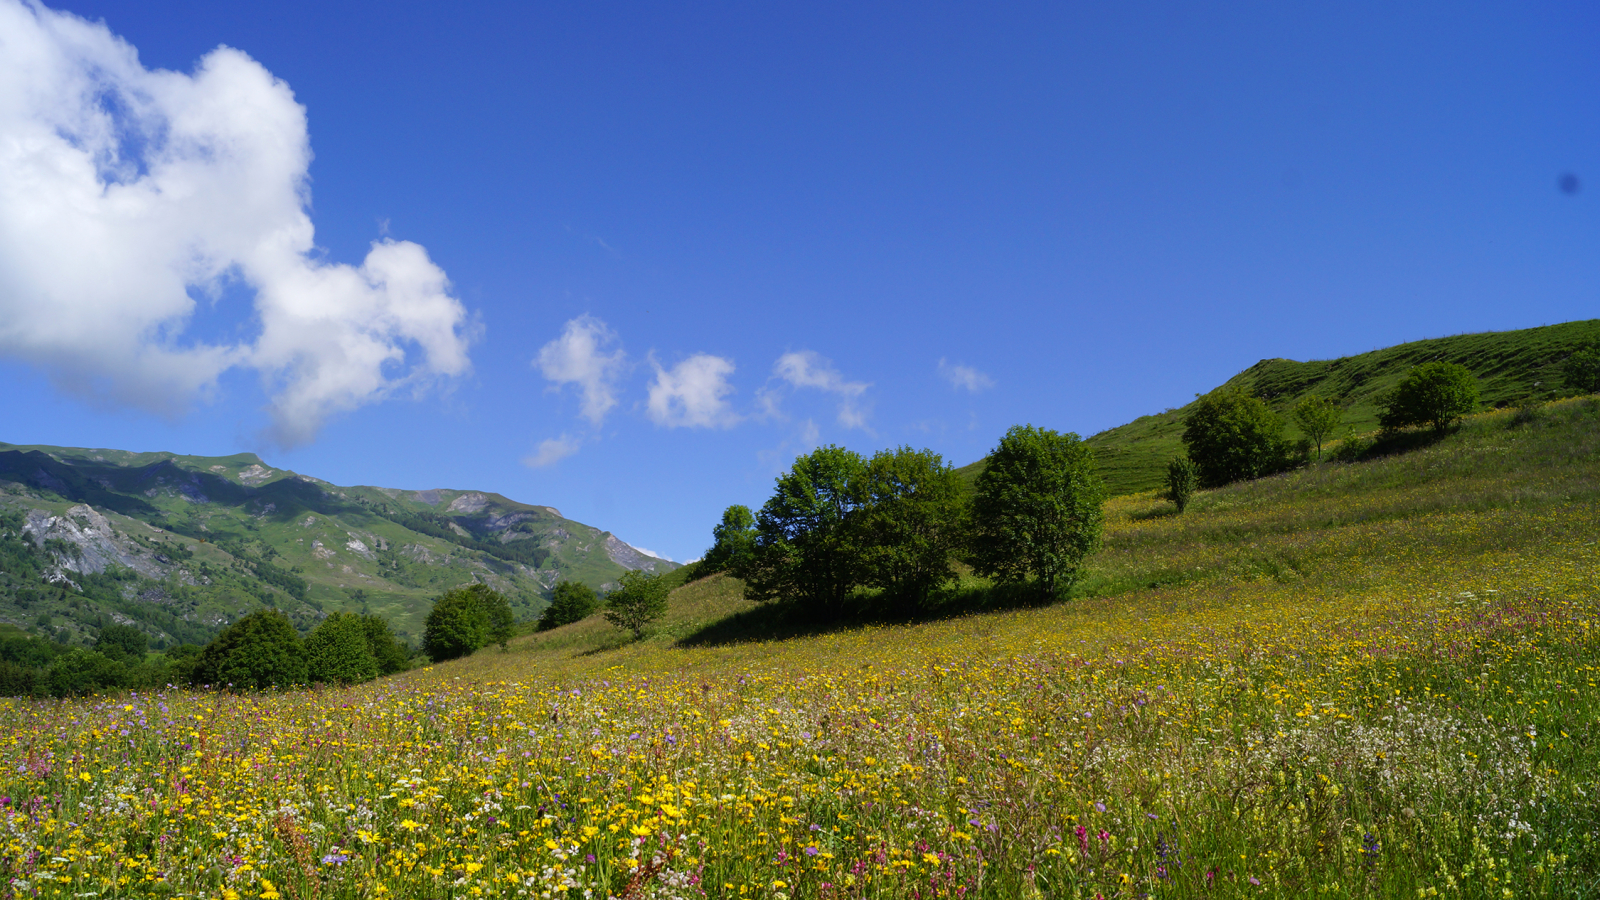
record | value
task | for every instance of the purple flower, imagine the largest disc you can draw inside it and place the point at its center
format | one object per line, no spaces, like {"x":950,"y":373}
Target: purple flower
{"x":334,"y":859}
{"x":1100,"y":806}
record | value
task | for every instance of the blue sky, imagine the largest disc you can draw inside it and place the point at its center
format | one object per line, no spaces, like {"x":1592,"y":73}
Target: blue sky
{"x":660,"y":251}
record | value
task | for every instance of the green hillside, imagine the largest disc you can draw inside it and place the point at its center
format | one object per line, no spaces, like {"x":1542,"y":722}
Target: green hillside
{"x":181,"y":545}
{"x":1509,"y":364}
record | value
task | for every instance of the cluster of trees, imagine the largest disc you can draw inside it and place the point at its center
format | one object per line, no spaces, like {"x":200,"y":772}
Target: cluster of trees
{"x":261,"y":650}
{"x":1231,"y":435}
{"x":842,"y":532}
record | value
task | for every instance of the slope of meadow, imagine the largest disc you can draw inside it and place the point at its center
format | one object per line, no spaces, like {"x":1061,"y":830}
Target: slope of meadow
{"x":1370,"y":680}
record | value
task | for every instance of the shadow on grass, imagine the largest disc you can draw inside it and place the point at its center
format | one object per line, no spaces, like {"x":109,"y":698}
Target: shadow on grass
{"x":784,"y":621}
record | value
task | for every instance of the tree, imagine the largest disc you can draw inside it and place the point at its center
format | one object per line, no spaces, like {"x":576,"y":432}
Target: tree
{"x":387,"y":650}
{"x":260,"y":651}
{"x":464,"y":619}
{"x":571,"y":601}
{"x":122,"y":642}
{"x":1436,"y":394}
{"x":80,"y":671}
{"x":1582,"y":370}
{"x":1231,"y":435}
{"x":338,"y":652}
{"x":735,"y":542}
{"x":908,"y":523}
{"x":1037,"y":510}
{"x":1183,"y":477}
{"x":640,"y":599}
{"x":804,"y":551}
{"x":1318,"y":417}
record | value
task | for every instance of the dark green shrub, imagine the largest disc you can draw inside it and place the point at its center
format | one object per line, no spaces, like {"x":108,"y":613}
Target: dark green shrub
{"x":571,"y":601}
{"x":338,"y":652}
{"x":1581,"y":370}
{"x":391,"y":655}
{"x":1183,"y":479}
{"x":1436,"y":394}
{"x":260,"y":651}
{"x":908,"y":524}
{"x":465,"y":619}
{"x":80,"y":671}
{"x":122,"y":642}
{"x":1232,"y":436}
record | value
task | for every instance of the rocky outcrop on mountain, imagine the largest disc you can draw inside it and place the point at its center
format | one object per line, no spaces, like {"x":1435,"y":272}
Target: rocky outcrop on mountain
{"x":629,"y":557}
{"x":87,"y":542}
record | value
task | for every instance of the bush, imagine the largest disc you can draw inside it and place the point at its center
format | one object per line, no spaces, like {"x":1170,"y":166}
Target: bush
{"x":1183,"y":479}
{"x":122,"y":642}
{"x":639,"y":600}
{"x":1037,"y":510}
{"x":1233,"y":436}
{"x":1318,"y":418}
{"x":338,"y":652}
{"x":390,"y":654}
{"x":465,"y":619}
{"x":570,"y":602}
{"x":80,"y":671}
{"x":1581,"y":370}
{"x":1437,"y":394}
{"x":260,"y":651}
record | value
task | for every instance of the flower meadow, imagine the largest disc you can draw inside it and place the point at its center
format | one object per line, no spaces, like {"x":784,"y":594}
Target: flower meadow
{"x":1338,"y":702}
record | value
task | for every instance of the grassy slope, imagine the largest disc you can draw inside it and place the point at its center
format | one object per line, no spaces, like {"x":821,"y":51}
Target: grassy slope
{"x":1290,"y":532}
{"x":1509,"y":365}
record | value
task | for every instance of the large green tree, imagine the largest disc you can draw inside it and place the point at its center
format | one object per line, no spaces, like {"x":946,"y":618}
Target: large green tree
{"x":464,"y":619}
{"x":1436,"y":394}
{"x":1037,"y":509}
{"x":571,"y":601}
{"x":804,"y":550}
{"x":640,"y":598}
{"x":338,"y":652}
{"x":908,"y":524}
{"x":735,"y":542}
{"x":387,"y":650}
{"x":260,"y":651}
{"x":1232,"y":435}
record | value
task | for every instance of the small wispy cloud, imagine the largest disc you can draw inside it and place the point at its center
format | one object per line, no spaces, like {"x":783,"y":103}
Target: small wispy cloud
{"x":581,"y":356}
{"x":692,"y":393}
{"x":807,"y":369}
{"x":550,"y":452}
{"x":964,"y":378}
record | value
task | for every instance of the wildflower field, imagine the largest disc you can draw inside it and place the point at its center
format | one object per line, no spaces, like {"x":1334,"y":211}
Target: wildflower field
{"x":1371,"y":680}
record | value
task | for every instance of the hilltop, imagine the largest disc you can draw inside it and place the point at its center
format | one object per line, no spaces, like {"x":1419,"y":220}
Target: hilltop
{"x":1510,"y":365}
{"x":181,"y":545}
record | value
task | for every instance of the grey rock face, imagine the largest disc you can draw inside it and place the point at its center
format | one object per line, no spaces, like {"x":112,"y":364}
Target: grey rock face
{"x":626,"y":556}
{"x":96,"y":544}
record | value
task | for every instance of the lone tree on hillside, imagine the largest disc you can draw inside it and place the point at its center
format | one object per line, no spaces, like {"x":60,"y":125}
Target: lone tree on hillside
{"x":1582,"y":370}
{"x":1037,"y":511}
{"x":639,"y":600}
{"x":260,"y":651}
{"x":465,"y":619}
{"x":908,"y":524}
{"x":735,"y":542}
{"x":1436,"y":394}
{"x":1318,"y":417}
{"x":1231,"y":436}
{"x":571,"y":601}
{"x":804,"y":551}
{"x":1183,"y":478}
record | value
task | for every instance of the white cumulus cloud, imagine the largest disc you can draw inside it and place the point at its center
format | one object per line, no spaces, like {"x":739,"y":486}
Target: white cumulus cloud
{"x":550,"y":452}
{"x":579,"y":356}
{"x":692,"y":393}
{"x":807,"y":369}
{"x":964,"y":378}
{"x":126,"y":193}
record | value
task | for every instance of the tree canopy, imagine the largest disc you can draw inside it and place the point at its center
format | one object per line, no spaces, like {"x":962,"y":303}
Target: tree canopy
{"x":804,"y":551}
{"x":640,"y":599}
{"x":1318,"y":418}
{"x":1232,"y":435}
{"x":1037,"y":509}
{"x":571,"y":601}
{"x":465,"y":619}
{"x":735,"y":542}
{"x":260,"y":651}
{"x":907,"y":524}
{"x":1435,"y":394}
